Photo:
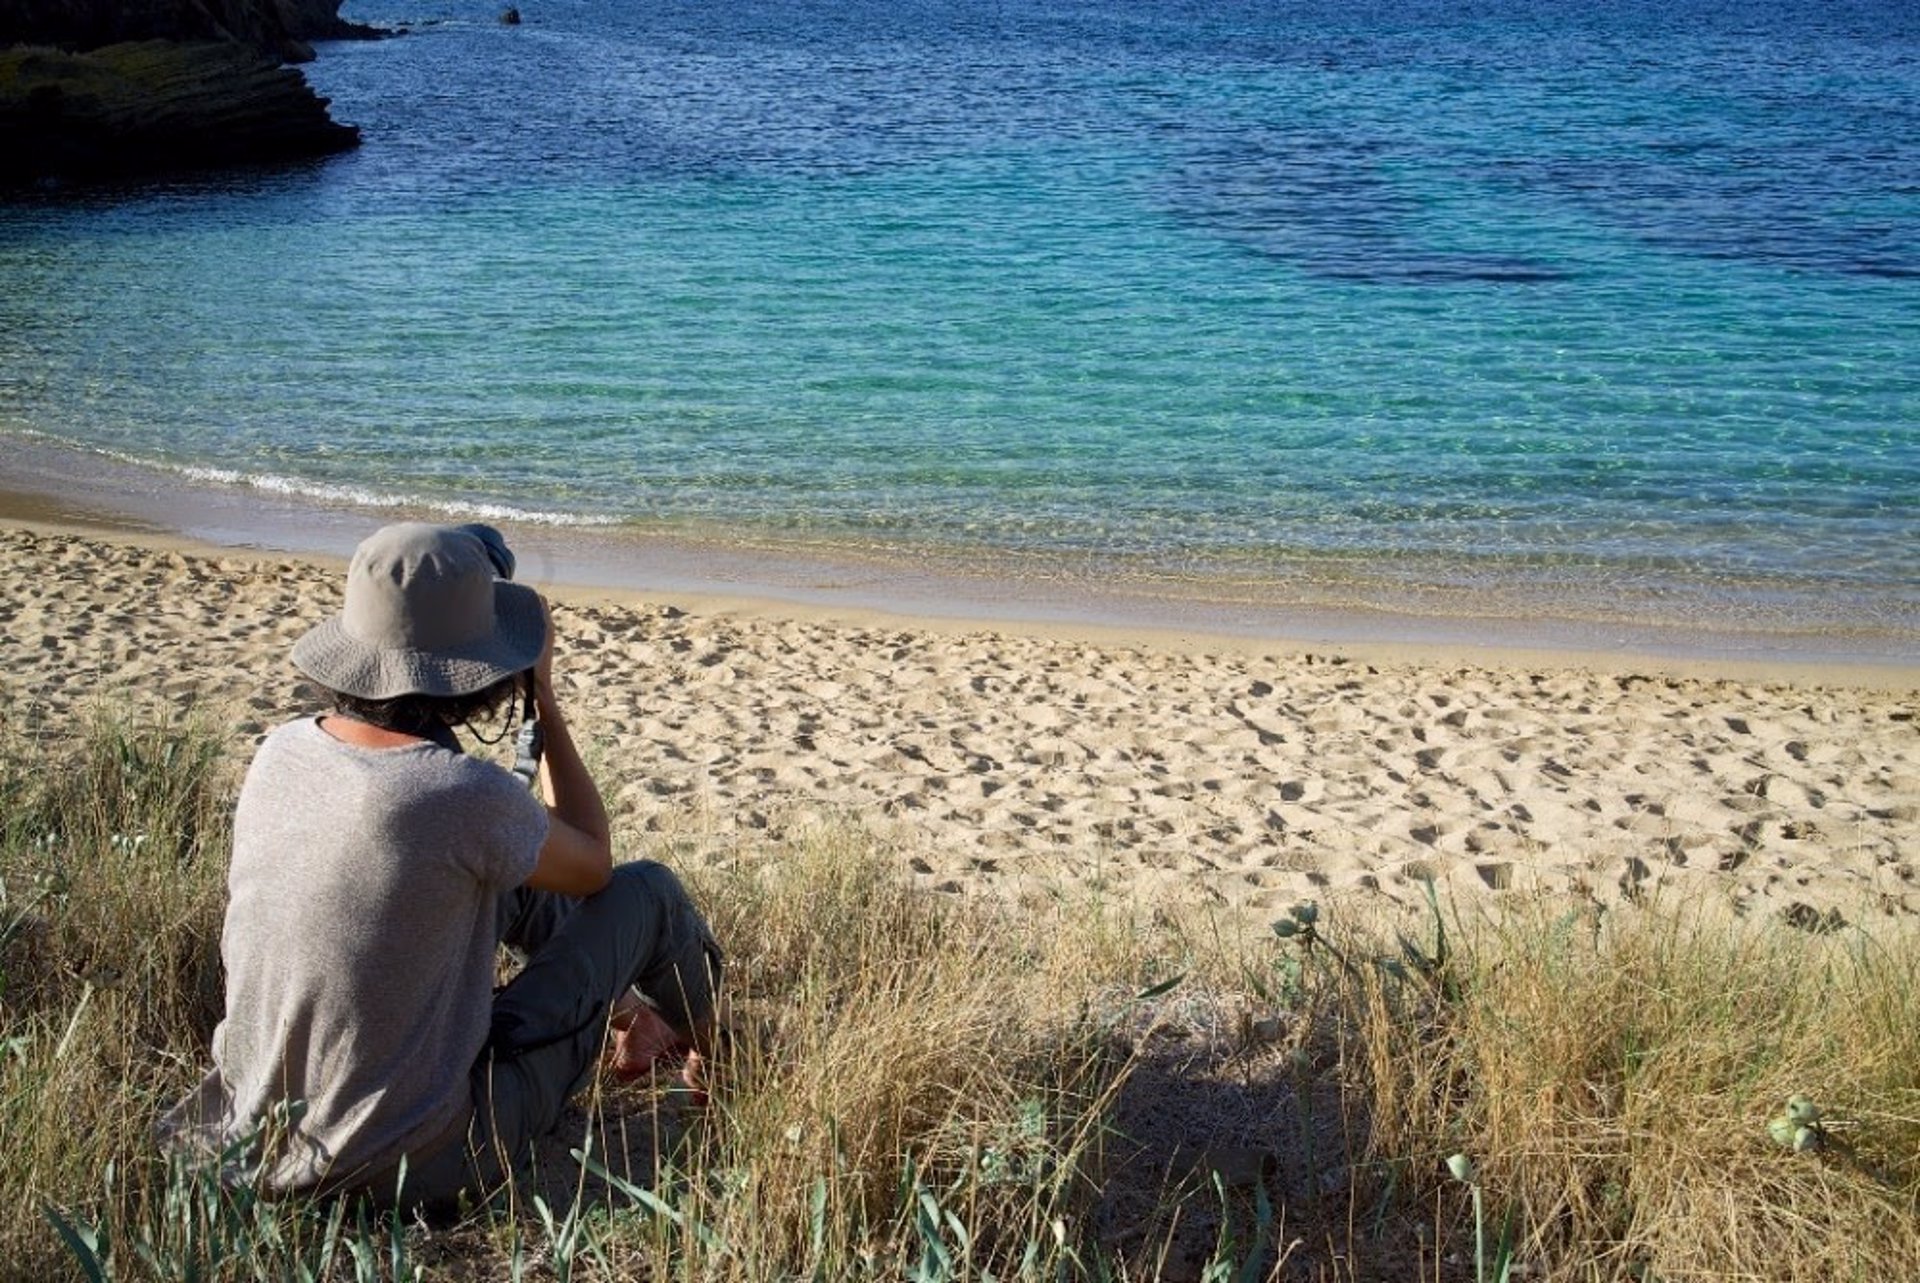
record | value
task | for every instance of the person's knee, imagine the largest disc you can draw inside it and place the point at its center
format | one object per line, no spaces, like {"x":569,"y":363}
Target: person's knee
{"x":654,"y":876}
{"x":656,"y":885}
{"x":690,"y":958}
{"x":666,"y":902}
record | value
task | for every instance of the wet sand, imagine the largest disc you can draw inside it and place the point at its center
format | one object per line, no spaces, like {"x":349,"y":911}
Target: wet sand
{"x":69,"y":488}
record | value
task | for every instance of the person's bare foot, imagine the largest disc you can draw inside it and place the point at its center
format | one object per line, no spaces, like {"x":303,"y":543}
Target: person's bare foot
{"x":693,"y":1076}
{"x":641,"y":1040}
{"x":643,"y":1044}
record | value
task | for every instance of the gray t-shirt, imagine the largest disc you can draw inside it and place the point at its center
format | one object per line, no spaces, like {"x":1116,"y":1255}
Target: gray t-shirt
{"x":359,"y":949}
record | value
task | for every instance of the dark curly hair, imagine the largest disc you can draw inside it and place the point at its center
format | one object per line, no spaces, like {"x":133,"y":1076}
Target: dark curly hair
{"x":421,"y":714}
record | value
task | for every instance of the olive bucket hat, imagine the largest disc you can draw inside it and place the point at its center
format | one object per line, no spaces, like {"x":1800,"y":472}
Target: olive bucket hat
{"x":425,"y":615}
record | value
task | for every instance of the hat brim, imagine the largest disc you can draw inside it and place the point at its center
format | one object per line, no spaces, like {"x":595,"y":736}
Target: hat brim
{"x":332,"y":656}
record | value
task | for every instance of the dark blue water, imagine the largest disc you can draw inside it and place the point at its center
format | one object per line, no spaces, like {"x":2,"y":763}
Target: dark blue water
{"x":1597,"y":310}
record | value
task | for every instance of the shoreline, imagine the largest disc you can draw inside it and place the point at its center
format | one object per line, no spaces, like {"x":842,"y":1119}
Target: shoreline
{"x":56,"y":488}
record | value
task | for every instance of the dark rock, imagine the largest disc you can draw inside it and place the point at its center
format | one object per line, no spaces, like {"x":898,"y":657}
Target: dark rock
{"x":279,"y":28}
{"x":321,"y":20}
{"x":511,"y":17}
{"x":1807,"y":918}
{"x":155,"y":105}
{"x":91,"y":88}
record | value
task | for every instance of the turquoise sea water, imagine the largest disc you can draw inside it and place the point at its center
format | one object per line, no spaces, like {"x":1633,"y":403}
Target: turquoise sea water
{"x":1603,"y":310}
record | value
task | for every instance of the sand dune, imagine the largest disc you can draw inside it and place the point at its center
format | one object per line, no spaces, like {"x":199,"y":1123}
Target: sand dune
{"x":1029,"y":764}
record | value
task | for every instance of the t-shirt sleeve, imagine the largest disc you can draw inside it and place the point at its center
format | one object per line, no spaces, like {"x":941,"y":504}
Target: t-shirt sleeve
{"x":501,"y":828}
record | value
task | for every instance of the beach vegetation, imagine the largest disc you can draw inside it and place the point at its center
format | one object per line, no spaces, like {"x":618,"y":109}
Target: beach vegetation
{"x":943,"y":1087}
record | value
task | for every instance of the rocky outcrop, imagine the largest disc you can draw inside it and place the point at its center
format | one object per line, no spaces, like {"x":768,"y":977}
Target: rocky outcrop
{"x":321,"y":20}
{"x":156,"y":105}
{"x":93,"y":89}
{"x":280,"y":28}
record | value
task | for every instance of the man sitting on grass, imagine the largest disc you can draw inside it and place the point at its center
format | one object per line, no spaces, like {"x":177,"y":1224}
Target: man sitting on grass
{"x":376,"y":869}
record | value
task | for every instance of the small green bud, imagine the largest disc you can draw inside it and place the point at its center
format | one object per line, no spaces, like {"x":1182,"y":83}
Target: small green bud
{"x":1782,"y":1130}
{"x":1803,"y":1111}
{"x":1462,"y":1169}
{"x":1286,"y":928}
{"x":1306,"y":914}
{"x":1806,"y":1138}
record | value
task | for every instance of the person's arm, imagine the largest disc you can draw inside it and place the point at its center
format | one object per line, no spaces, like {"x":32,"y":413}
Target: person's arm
{"x":577,"y":857}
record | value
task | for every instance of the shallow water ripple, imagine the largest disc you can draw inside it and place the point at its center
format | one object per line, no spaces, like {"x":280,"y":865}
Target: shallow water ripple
{"x":1585,"y":308}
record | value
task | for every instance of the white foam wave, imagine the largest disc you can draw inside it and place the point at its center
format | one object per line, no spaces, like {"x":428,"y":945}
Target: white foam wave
{"x":365,"y":497}
{"x":301,"y":488}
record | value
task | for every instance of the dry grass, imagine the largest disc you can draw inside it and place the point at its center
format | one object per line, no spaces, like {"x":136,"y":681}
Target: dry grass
{"x":1612,"y":1075}
{"x":112,"y":861}
{"x":936,"y":1088}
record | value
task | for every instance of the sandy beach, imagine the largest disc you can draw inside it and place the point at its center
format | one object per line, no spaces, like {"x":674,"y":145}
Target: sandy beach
{"x":1030,"y":763}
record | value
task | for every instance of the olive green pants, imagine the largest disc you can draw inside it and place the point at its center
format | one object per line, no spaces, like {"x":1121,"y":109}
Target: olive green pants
{"x":641,"y":931}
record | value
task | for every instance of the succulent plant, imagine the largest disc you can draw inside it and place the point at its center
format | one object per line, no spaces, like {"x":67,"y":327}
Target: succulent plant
{"x":1799,"y":1128}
